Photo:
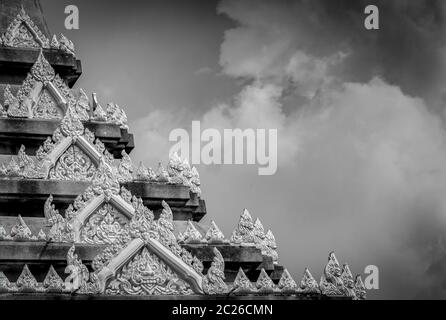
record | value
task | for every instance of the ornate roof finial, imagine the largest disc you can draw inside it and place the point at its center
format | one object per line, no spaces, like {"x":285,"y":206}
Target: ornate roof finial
{"x":71,"y":125}
{"x":328,"y":288}
{"x":259,"y":233}
{"x":20,"y":231}
{"x":41,"y":236}
{"x":82,"y":106}
{"x":244,"y":233}
{"x":98,"y":112}
{"x":26,"y":281}
{"x":162,"y":175}
{"x":286,"y":283}
{"x":332,"y":274}
{"x":214,"y":234}
{"x":360,"y":291}
{"x":213,"y":282}
{"x":54,"y":43}
{"x":264,"y":283}
{"x":53,"y":282}
{"x":348,"y":281}
{"x":66,"y":45}
{"x":242,"y":284}
{"x":125,"y":168}
{"x":191,"y":234}
{"x":308,"y":285}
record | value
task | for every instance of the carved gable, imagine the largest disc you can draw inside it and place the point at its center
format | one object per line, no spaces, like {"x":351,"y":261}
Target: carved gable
{"x":23,"y":33}
{"x":147,"y":274}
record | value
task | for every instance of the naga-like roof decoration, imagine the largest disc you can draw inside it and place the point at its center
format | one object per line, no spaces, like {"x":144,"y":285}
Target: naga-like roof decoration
{"x":22,"y":32}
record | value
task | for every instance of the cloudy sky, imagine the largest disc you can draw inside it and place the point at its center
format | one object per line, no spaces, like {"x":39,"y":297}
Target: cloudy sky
{"x":360,"y":118}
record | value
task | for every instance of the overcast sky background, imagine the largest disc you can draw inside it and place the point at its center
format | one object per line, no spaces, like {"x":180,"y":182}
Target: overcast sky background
{"x":360,"y":118}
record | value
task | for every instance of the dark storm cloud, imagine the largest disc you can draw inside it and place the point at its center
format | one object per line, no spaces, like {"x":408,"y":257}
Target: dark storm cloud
{"x":408,"y":50}
{"x":368,"y":128}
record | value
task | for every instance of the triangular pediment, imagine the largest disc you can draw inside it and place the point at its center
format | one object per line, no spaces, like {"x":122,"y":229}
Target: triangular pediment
{"x":43,"y":94}
{"x":23,"y":33}
{"x":147,"y":274}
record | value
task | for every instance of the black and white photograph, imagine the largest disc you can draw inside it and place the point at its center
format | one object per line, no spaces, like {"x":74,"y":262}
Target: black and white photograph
{"x":243,"y":153}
